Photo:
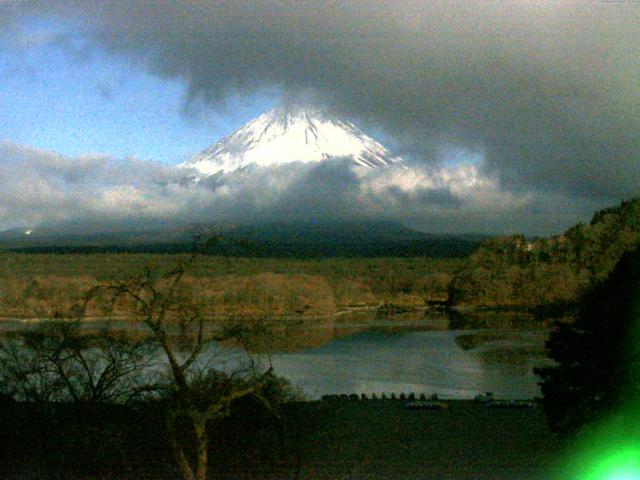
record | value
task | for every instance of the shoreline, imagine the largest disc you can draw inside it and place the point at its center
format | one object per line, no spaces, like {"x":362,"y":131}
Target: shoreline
{"x":387,"y":313}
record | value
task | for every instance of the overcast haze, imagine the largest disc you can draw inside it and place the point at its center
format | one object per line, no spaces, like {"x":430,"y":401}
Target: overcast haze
{"x":518,"y":116}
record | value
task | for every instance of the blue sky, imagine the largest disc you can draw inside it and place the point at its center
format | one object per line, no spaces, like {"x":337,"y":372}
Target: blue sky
{"x":86,"y":102}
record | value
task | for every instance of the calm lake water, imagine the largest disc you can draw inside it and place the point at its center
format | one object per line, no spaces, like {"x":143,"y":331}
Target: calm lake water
{"x":417,"y":361}
{"x":334,"y":356}
{"x":419,"y":356}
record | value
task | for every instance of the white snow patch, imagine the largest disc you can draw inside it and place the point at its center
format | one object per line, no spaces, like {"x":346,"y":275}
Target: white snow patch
{"x":283,"y":136}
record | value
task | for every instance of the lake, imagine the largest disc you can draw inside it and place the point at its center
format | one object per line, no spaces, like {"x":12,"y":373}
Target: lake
{"x":385,"y":358}
{"x":369,"y":355}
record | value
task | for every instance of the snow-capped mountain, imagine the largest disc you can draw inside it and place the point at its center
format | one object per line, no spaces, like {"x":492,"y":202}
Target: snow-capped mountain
{"x":291,"y":135}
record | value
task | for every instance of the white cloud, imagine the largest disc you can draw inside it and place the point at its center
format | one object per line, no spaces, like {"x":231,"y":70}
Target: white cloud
{"x":39,"y":187}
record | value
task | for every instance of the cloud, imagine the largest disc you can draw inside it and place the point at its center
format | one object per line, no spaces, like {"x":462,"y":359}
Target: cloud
{"x":545,"y":91}
{"x":39,"y":187}
{"x":43,"y":188}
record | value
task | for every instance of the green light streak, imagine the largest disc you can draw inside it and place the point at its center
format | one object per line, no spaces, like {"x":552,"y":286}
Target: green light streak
{"x":610,"y":450}
{"x":622,"y":464}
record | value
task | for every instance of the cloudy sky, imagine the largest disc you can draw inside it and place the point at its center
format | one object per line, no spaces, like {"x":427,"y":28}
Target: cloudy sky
{"x":514,"y":116}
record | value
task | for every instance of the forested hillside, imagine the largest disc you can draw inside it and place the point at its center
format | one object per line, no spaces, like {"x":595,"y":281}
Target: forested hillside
{"x":516,"y":271}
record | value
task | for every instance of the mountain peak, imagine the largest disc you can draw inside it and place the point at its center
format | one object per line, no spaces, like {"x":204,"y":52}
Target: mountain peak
{"x":291,"y":134}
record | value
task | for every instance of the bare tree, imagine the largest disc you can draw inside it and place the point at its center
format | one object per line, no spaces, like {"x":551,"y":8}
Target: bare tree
{"x":55,"y":362}
{"x":200,"y":392}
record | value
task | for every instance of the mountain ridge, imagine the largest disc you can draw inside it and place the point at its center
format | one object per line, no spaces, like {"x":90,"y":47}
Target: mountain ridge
{"x":266,"y":239}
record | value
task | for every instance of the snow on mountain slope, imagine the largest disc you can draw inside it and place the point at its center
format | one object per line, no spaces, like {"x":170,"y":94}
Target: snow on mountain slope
{"x":288,"y":135}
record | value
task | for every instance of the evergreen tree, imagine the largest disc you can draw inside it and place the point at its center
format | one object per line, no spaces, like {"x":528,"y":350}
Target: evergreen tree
{"x":598,"y":358}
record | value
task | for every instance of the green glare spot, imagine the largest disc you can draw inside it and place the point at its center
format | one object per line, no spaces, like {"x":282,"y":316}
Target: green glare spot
{"x":623,"y":464}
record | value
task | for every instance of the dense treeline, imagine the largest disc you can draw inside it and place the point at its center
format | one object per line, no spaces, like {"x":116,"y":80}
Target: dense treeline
{"x":46,"y":285}
{"x":508,"y":271}
{"x":452,"y":247}
{"x":517,"y":271}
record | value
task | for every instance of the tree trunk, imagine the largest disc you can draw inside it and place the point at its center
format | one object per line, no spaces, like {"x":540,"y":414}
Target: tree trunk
{"x":178,"y":452}
{"x":201,"y":448}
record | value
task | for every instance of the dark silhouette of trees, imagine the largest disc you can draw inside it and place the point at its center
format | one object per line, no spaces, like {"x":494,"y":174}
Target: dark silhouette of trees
{"x":55,"y":362}
{"x":598,"y":356}
{"x":66,"y":394}
{"x":185,"y":376}
{"x":200,"y":393}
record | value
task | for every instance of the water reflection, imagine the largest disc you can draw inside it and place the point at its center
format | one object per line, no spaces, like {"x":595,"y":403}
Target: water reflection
{"x":417,"y":361}
{"x":298,"y":336}
{"x":363,"y":353}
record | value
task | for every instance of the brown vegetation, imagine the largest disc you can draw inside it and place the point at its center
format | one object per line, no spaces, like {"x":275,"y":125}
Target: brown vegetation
{"x":516,"y":271}
{"x":503,"y":272}
{"x":49,"y":285}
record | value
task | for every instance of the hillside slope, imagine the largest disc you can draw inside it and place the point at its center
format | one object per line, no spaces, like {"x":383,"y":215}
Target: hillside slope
{"x":516,"y":271}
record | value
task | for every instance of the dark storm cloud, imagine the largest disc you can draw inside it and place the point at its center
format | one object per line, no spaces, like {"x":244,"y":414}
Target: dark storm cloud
{"x":440,"y":197}
{"x":547,"y":91}
{"x":328,"y":189}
